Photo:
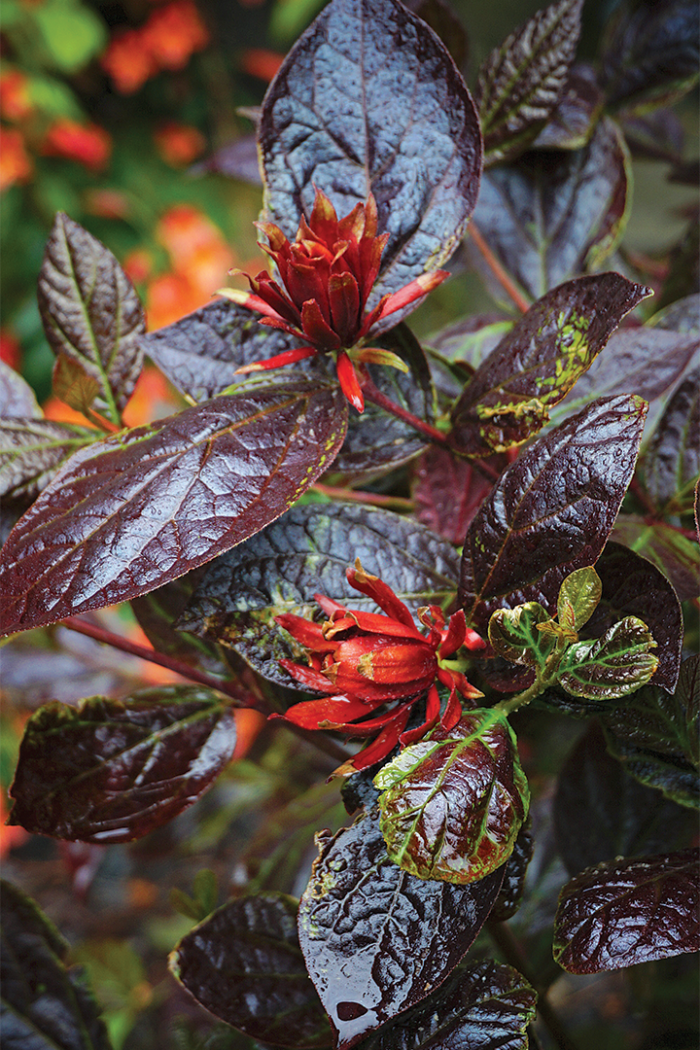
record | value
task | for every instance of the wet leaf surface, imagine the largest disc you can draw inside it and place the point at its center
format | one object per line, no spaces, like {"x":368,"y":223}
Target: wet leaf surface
{"x":628,"y":912}
{"x":579,"y":597}
{"x":305,"y":553}
{"x":575,"y":115}
{"x":549,"y":216}
{"x":551,"y":511}
{"x":244,"y":965}
{"x":138,"y":509}
{"x":369,"y":99}
{"x":447,"y":492}
{"x":615,"y":664}
{"x":376,"y":940}
{"x":521,"y":81}
{"x":17,"y":399}
{"x":514,"y":635}
{"x":674,"y":554}
{"x":91,"y":314}
{"x":452,"y":805}
{"x":671,"y":462}
{"x":113,"y":770}
{"x":515,"y":872}
{"x":44,"y":1005}
{"x":32,"y":450}
{"x":539,"y":360}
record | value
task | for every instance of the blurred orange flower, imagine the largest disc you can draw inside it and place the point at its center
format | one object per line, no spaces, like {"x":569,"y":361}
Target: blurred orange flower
{"x":10,"y":349}
{"x":261,"y":63}
{"x":89,"y":144}
{"x":15,"y":164}
{"x":108,"y":204}
{"x":138,"y":265}
{"x":167,"y":40}
{"x":179,"y":144}
{"x":128,"y":61}
{"x":15,"y":103}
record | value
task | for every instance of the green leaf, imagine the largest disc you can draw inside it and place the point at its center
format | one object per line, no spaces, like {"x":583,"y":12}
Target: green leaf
{"x":73,"y":34}
{"x":578,"y":598}
{"x":614,"y":665}
{"x":513,"y":634}
{"x":452,"y":805}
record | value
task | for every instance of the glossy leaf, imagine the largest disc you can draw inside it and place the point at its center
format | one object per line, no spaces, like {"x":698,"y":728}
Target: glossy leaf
{"x":483,"y":1007}
{"x":550,"y":216}
{"x":513,"y":634}
{"x":376,"y":940}
{"x":515,"y":871}
{"x":244,"y":965}
{"x":44,"y":1005}
{"x":614,"y":665}
{"x":551,"y":511}
{"x":91,"y":314}
{"x":632,"y":586}
{"x":574,"y":118}
{"x":470,"y":341}
{"x":630,"y":820}
{"x":521,"y":81}
{"x":140,"y":508}
{"x":539,"y":360}
{"x":32,"y":450}
{"x":452,"y":805}
{"x":579,"y":596}
{"x":305,"y":553}
{"x":651,"y":56}
{"x":628,"y":912}
{"x":673,"y":553}
{"x":17,"y":399}
{"x":447,"y":492}
{"x":369,"y":99}
{"x":671,"y":462}
{"x":113,"y":770}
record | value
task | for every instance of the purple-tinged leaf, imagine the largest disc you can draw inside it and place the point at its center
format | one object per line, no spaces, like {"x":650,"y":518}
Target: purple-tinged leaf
{"x":683,"y":277}
{"x":443,"y":20}
{"x":539,"y":360}
{"x":376,"y":940}
{"x":615,"y":664}
{"x":17,"y":399}
{"x":113,"y":770}
{"x":551,"y":511}
{"x":576,"y":114}
{"x":549,"y":216}
{"x":370,"y":99}
{"x":91,"y":314}
{"x":659,"y":135}
{"x":32,"y":450}
{"x":452,"y":805}
{"x":484,"y":1007}
{"x":630,"y":820}
{"x":671,"y":462}
{"x":671,"y":551}
{"x":650,"y":56}
{"x":447,"y":492}
{"x":237,"y":160}
{"x":471,"y":340}
{"x":681,"y":316}
{"x":515,"y":870}
{"x":141,"y":508}
{"x":521,"y":81}
{"x":244,"y":965}
{"x":633,"y":586}
{"x":44,"y":1005}
{"x":305,"y":553}
{"x":628,"y":912}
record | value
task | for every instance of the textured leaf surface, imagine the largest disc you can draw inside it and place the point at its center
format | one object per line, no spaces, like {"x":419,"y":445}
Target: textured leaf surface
{"x":113,"y":770}
{"x":244,"y":965}
{"x":672,"y":460}
{"x":515,"y":871}
{"x":579,"y":597}
{"x":628,"y":912}
{"x":551,"y":511}
{"x":539,"y":360}
{"x":576,"y":114}
{"x":513,"y":634}
{"x":615,"y":664}
{"x":17,"y":399}
{"x":91,"y":314}
{"x":305,"y":553}
{"x":521,"y":81}
{"x":674,"y":554}
{"x":32,"y":450}
{"x":376,"y":940}
{"x":369,"y":99}
{"x":549,"y":216}
{"x":484,"y":1007}
{"x":136,"y":510}
{"x":447,"y":492}
{"x":452,"y":805}
{"x":44,"y":1005}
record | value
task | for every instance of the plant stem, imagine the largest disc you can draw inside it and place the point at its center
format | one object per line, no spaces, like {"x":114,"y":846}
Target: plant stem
{"x":373,"y":498}
{"x":372,"y":393}
{"x":497,"y":270}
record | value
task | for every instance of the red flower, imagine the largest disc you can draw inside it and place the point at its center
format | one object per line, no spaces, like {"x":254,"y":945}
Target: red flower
{"x":89,"y":144}
{"x":364,"y":661}
{"x":327,"y":275}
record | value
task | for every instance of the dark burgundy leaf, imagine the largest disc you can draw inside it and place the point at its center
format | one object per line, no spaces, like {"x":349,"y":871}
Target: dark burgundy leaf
{"x":632,"y":586}
{"x":511,"y":895}
{"x":550,"y":216}
{"x":576,"y":114}
{"x":628,"y":912}
{"x":521,"y":81}
{"x":376,"y":940}
{"x":539,"y":360}
{"x":369,"y":99}
{"x":141,"y":508}
{"x":683,"y":277}
{"x":600,"y":812}
{"x":651,"y":53}
{"x":452,"y":805}
{"x":551,"y":511}
{"x":113,"y":770}
{"x":671,"y":463}
{"x":659,"y":135}
{"x":656,"y":736}
{"x":17,"y":399}
{"x":237,"y":160}
{"x":471,"y":340}
{"x":32,"y":450}
{"x":201,"y":352}
{"x":244,"y":965}
{"x":447,"y":492}
{"x":675,"y":554}
{"x":44,"y":1005}
{"x":443,"y":20}
{"x":681,"y":316}
{"x":91,"y":314}
{"x":307,"y":552}
{"x":484,"y":1007}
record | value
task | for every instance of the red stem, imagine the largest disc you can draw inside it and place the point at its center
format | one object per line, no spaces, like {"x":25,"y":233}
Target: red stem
{"x":372,"y":393}
{"x":373,"y":498}
{"x":497,"y":270}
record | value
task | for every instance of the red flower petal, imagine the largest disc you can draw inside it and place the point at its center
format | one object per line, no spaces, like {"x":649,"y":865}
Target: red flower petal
{"x":385,"y":742}
{"x":288,"y":357}
{"x":306,"y":632}
{"x":306,"y":676}
{"x":333,"y":709}
{"x":432,"y":713}
{"x":381,"y":593}
{"x":416,"y":289}
{"x":455,"y":635}
{"x":349,"y":382}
